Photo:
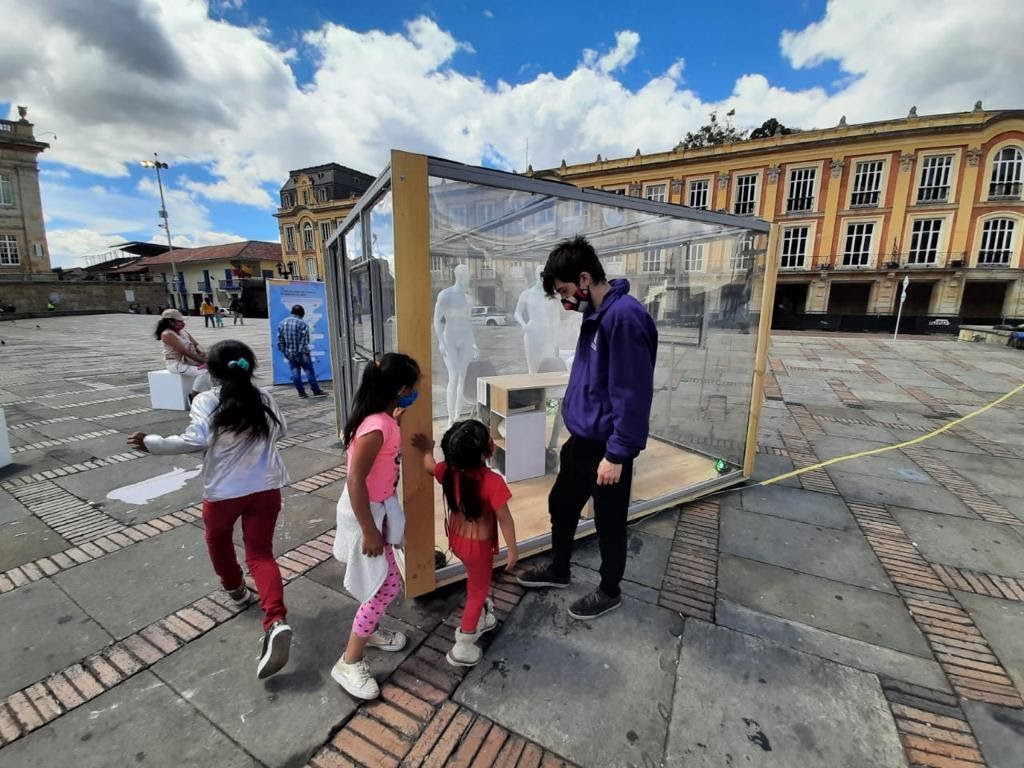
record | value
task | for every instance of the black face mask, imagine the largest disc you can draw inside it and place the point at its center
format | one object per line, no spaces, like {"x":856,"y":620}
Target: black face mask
{"x":578,"y":302}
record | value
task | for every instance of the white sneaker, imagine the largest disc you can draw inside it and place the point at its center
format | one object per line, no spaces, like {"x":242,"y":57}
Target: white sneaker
{"x":386,"y":639}
{"x":465,"y":652}
{"x":355,"y":678}
{"x":488,"y":620}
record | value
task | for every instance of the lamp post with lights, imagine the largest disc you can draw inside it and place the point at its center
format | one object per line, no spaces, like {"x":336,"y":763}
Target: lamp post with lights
{"x":162,"y":213}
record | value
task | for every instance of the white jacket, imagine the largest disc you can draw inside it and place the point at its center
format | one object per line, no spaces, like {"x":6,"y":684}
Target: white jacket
{"x":364,"y":575}
{"x":234,"y":465}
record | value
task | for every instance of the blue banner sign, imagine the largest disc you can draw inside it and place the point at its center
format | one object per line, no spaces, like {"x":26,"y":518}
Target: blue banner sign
{"x":282,"y":295}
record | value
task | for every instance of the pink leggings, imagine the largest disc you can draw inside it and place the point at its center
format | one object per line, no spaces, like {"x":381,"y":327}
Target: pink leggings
{"x":369,"y":614}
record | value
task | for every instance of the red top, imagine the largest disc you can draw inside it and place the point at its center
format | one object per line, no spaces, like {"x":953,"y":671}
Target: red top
{"x":494,"y":493}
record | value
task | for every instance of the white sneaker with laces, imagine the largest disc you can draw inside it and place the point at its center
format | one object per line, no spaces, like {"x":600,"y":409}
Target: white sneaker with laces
{"x":386,"y":639}
{"x":355,"y":678}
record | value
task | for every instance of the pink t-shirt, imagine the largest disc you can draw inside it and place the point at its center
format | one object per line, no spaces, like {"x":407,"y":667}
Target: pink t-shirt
{"x":382,"y":480}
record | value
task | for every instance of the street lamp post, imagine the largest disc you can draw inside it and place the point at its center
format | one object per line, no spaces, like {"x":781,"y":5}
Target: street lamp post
{"x":157,"y":164}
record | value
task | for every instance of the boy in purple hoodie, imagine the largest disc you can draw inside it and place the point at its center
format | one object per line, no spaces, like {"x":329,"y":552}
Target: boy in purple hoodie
{"x":607,"y":409}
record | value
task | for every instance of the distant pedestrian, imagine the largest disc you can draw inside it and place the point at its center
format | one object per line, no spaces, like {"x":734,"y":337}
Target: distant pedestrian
{"x":293,"y":343}
{"x":476,"y":505}
{"x":218,"y":316}
{"x":206,"y":309}
{"x":370,"y":522}
{"x":235,"y":307}
{"x":237,"y":426}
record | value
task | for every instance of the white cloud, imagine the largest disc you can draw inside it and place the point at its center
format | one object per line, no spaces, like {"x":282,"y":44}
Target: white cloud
{"x":124,"y":78}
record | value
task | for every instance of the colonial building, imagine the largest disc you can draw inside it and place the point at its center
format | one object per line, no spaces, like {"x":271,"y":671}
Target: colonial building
{"x":217,"y":271}
{"x":314,"y":201}
{"x":23,"y":248}
{"x":935,"y":198}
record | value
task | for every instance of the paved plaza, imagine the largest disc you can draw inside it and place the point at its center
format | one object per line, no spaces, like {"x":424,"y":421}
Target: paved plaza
{"x":867,"y":614}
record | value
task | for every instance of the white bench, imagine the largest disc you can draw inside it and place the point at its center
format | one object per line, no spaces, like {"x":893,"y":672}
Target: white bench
{"x":169,"y":391}
{"x":5,"y":442}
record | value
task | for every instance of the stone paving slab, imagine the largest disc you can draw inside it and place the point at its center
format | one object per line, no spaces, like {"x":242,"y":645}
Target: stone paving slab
{"x":303,"y":462}
{"x":42,"y":631}
{"x":139,"y":723}
{"x":31,"y":462}
{"x":566,"y":685}
{"x":662,"y":524}
{"x":1002,"y":624}
{"x":283,"y":720}
{"x":862,"y":614}
{"x":829,"y":645}
{"x":883,"y":490}
{"x":833,"y":554}
{"x":1000,"y":733}
{"x":27,"y":539}
{"x":11,"y":509}
{"x":748,"y":702}
{"x":68,"y":428}
{"x":768,"y":466}
{"x":128,"y":589}
{"x":647,"y":555}
{"x":95,"y":484}
{"x":796,"y":504}
{"x":974,"y":544}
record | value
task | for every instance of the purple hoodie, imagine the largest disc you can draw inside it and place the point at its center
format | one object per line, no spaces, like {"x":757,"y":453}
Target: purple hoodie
{"x":612,"y":381}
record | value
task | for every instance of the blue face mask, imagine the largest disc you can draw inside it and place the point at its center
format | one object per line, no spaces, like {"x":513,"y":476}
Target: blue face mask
{"x":404,"y":401}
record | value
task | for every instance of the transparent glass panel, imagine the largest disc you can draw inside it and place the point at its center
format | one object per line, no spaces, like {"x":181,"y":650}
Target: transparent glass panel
{"x":360,"y":296}
{"x":382,"y":244}
{"x":701,"y":283}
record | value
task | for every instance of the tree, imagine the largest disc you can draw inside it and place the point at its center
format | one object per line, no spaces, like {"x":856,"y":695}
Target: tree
{"x":771,"y":127}
{"x":713,"y":133}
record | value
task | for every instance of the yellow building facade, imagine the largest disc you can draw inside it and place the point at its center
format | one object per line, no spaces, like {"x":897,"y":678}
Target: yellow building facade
{"x":936,"y":199}
{"x":314,"y":202}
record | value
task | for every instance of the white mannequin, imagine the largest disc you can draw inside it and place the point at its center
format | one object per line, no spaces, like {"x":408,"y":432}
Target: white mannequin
{"x":455,"y":341}
{"x":538,"y":315}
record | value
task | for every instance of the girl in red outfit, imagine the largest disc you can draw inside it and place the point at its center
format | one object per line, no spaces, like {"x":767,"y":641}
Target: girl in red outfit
{"x":476,"y":499}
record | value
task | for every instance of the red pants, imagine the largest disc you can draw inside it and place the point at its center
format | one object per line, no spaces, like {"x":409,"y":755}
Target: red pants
{"x":478,"y":557}
{"x":259,"y":518}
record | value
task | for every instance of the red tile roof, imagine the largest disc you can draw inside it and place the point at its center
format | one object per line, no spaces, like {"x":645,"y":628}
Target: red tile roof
{"x":246,"y":250}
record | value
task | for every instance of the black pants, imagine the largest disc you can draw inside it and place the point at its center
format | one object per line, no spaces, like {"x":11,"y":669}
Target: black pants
{"x":575,"y":484}
{"x":209,"y":320}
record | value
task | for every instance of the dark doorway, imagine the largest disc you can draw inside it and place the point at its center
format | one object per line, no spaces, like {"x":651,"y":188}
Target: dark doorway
{"x":485,"y":295}
{"x":983,"y":302}
{"x":849,"y":298}
{"x":919,"y":299}
{"x":790,"y":304}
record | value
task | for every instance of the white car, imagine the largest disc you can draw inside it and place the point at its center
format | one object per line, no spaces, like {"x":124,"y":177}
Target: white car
{"x":488,"y":316}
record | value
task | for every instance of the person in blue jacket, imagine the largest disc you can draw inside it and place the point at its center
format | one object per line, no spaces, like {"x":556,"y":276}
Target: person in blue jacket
{"x":606,"y":409}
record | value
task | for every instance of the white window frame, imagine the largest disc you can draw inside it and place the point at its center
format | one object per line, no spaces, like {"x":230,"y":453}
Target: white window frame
{"x":436,"y":263}
{"x":755,"y":201}
{"x":7,"y":197}
{"x":289,"y":237}
{"x":305,"y":197}
{"x":321,"y":194}
{"x":614,"y":265}
{"x":690,"y":185}
{"x":618,"y":189}
{"x":325,"y":231}
{"x":932,"y":172}
{"x":1012,"y":174}
{"x":308,"y":241}
{"x":786,"y":243}
{"x":881,"y":177}
{"x":865,"y":255}
{"x":9,"y":256}
{"x":924,"y":241}
{"x":457,"y":216}
{"x":1010,"y":245}
{"x":695,"y":257}
{"x":311,"y":271}
{"x":808,"y":185}
{"x":656,"y":192}
{"x":652,"y":260}
{"x":738,"y":259}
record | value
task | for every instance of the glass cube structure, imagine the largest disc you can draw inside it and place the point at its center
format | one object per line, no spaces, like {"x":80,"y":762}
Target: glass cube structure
{"x":441,"y":260}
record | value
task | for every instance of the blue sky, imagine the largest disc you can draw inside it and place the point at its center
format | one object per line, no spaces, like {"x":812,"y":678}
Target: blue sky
{"x":234,"y":93}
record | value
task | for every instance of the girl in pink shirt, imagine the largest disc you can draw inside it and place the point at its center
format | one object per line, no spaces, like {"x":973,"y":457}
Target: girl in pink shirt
{"x":370,"y":519}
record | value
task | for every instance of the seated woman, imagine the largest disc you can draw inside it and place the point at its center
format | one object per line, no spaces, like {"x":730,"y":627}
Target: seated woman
{"x":182,"y":353}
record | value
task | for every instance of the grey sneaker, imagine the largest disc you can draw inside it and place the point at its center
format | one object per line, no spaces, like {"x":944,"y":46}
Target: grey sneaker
{"x":597,"y":603}
{"x":276,"y":644}
{"x":243,"y":595}
{"x":386,"y":639}
{"x":542,"y":576}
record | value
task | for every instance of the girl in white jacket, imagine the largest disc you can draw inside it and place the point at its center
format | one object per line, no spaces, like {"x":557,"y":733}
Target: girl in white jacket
{"x":238,"y":426}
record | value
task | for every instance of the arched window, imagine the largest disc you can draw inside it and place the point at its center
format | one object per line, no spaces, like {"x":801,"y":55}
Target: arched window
{"x":996,"y":241}
{"x":307,"y":236}
{"x":1006,"y":173}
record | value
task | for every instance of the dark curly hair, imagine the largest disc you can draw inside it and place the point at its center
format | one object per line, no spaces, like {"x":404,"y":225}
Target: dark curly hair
{"x":465,"y":446}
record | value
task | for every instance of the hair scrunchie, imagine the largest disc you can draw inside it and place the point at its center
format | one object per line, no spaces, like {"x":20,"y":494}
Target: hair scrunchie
{"x":240,"y":363}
